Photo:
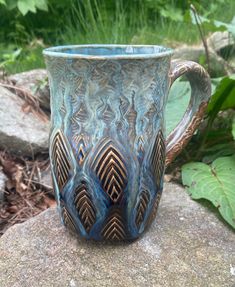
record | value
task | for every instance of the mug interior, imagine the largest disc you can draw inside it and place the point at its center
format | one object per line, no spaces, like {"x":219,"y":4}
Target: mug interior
{"x":108,"y":51}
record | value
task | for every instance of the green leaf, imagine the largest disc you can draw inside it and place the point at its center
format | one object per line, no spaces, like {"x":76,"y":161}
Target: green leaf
{"x":177,"y":103}
{"x":230,"y":27}
{"x":224,"y":96}
{"x":218,"y":150}
{"x":11,"y":4}
{"x":215,"y":183}
{"x":10,"y":57}
{"x":3,"y":2}
{"x":172,"y":13}
{"x":178,"y":99}
{"x":233,"y":128}
{"x":26,"y":5}
{"x":214,"y":25}
{"x":42,"y":5}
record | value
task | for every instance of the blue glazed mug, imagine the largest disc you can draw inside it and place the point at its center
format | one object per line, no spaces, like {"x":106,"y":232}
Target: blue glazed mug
{"x":108,"y":149}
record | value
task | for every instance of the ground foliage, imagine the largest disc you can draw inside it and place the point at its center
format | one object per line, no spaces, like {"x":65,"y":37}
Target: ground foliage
{"x":212,"y":178}
{"x":29,"y":25}
{"x":25,"y":195}
{"x":213,"y":182}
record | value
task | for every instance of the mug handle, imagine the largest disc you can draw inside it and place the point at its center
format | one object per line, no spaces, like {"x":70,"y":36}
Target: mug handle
{"x":200,"y":93}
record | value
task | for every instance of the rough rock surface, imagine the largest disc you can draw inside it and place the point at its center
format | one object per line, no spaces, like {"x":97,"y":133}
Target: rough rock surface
{"x":186,"y":246}
{"x":221,"y":40}
{"x":34,"y":81}
{"x":20,"y":133}
{"x":197,"y":54}
{"x":3,"y":179}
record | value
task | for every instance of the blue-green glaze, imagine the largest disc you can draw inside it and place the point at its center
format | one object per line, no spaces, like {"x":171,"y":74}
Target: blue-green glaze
{"x":116,"y":94}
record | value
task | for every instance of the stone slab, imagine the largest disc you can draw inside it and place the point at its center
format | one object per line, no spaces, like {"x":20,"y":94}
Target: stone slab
{"x":187,"y":245}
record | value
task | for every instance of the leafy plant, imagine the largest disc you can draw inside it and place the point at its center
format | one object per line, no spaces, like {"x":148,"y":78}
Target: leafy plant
{"x":224,"y":96}
{"x":13,"y":60}
{"x":26,"y":6}
{"x":215,"y":183}
{"x":9,"y":58}
{"x":179,"y":93}
{"x":215,"y":25}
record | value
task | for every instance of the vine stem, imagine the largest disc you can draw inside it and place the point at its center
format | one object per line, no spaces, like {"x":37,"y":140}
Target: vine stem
{"x":202,"y":35}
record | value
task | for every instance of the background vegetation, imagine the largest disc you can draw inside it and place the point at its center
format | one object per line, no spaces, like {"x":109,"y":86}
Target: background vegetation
{"x":208,"y":163}
{"x":27,"y":26}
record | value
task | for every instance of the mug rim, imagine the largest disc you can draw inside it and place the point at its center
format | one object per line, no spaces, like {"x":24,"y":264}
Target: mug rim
{"x":157,"y":51}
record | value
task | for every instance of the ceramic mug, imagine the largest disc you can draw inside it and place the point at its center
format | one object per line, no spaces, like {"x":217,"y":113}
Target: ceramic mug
{"x":108,"y":149}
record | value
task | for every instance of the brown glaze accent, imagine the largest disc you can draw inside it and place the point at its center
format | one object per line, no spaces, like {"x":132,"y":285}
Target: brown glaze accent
{"x":63,"y":109}
{"x":142,"y":207}
{"x":201,"y":91}
{"x":114,"y":228}
{"x":109,"y":166}
{"x":141,"y":144}
{"x":131,"y":116}
{"x":67,"y":218}
{"x":60,"y":160}
{"x":158,"y":158}
{"x":154,"y":209}
{"x":82,"y":114}
{"x":80,"y":141}
{"x":84,"y":206}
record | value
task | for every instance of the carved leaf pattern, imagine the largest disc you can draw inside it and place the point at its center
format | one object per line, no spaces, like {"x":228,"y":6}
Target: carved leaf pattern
{"x":63,"y":109}
{"x":84,"y":206}
{"x":80,"y":142}
{"x":115,"y":82}
{"x":142,"y":207}
{"x":60,"y":160}
{"x":68,"y":220}
{"x":110,"y":169}
{"x":82,"y":115}
{"x":158,"y":158}
{"x":155,"y":208}
{"x":114,"y":228}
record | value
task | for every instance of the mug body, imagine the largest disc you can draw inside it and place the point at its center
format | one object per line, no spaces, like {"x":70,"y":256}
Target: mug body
{"x":107,"y":140}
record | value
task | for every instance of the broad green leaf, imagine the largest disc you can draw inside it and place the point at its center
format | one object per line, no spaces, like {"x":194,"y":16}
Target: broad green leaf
{"x":177,"y":103}
{"x":26,"y":5}
{"x":207,"y":24}
{"x":178,"y":100}
{"x":42,"y":5}
{"x":3,"y":2}
{"x":230,"y":27}
{"x":224,"y":96}
{"x":214,"y":25}
{"x":215,"y":183}
{"x":11,"y":4}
